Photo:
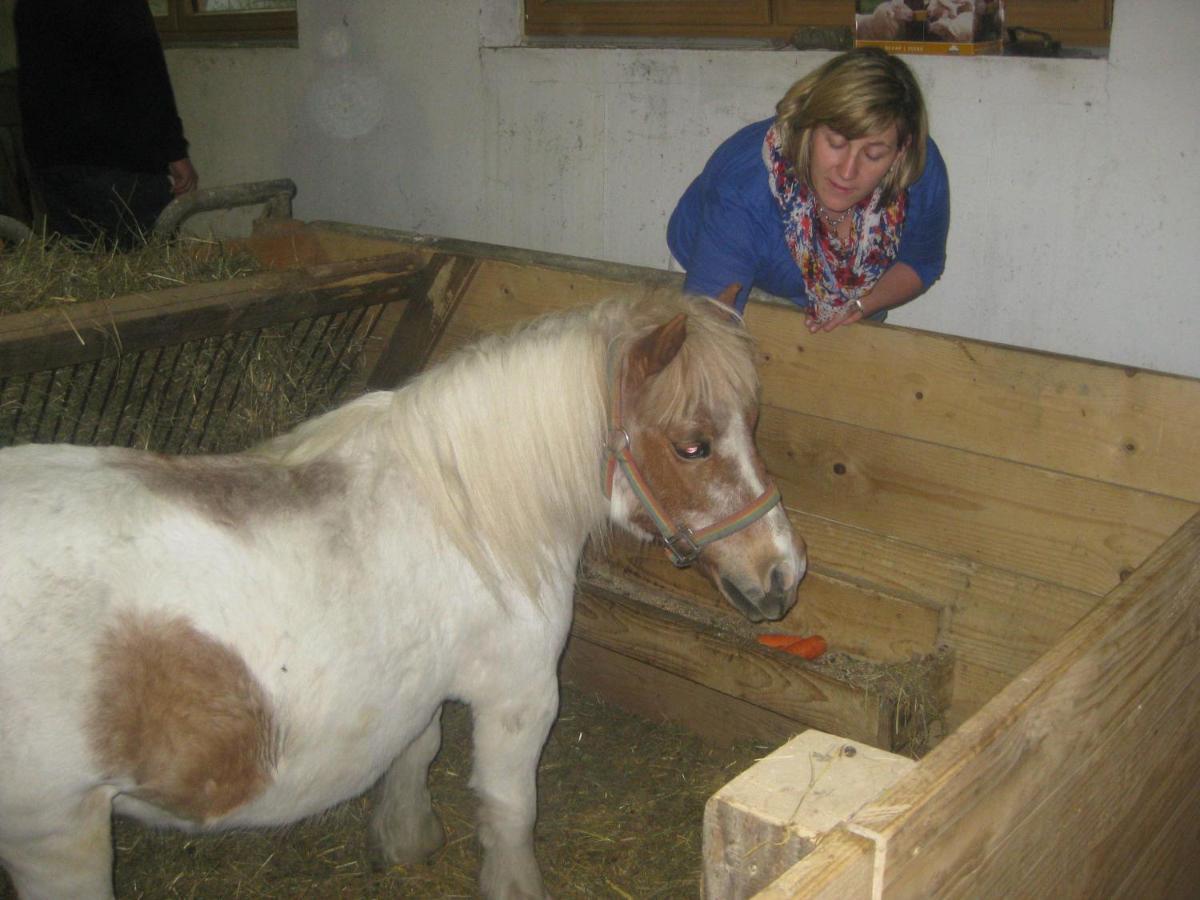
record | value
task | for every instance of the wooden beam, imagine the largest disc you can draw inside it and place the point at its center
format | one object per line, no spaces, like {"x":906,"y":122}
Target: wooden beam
{"x":1063,"y":529}
{"x":653,"y":694}
{"x":841,"y":867}
{"x":783,"y":684}
{"x":63,"y":336}
{"x":1038,"y":778}
{"x":435,"y":296}
{"x":854,"y":618}
{"x":1089,"y":419}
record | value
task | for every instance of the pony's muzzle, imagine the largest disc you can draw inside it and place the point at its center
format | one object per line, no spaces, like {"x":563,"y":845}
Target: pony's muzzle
{"x":771,"y":604}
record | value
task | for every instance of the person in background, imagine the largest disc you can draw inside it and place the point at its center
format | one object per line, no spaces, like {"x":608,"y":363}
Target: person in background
{"x":839,"y":203}
{"x":102,"y":136}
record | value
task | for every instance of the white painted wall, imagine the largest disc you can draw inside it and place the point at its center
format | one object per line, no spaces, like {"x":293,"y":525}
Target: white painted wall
{"x":1075,"y":183}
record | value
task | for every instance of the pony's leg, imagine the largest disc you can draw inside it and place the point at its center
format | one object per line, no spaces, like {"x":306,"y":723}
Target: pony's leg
{"x":71,"y":858}
{"x":404,"y":827}
{"x":509,"y":735}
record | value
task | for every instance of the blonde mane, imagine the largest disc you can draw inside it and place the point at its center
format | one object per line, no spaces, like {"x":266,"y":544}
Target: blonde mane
{"x":504,"y":438}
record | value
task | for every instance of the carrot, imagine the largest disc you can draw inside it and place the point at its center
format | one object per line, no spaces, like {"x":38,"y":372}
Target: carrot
{"x":778,"y":641}
{"x":809,"y":647}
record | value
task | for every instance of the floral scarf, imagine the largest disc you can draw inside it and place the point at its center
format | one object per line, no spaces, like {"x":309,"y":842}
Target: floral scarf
{"x":833,"y":275}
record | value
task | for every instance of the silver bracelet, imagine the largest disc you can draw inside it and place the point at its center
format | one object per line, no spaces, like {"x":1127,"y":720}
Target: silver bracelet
{"x":857,"y":304}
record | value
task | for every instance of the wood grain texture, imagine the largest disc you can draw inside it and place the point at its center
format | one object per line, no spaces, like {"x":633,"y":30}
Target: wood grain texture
{"x":1094,"y":420}
{"x":718,"y":718}
{"x":998,"y":622}
{"x":60,"y":336}
{"x":783,"y":684}
{"x":1094,"y":739}
{"x":841,"y":867}
{"x":1058,"y":528}
{"x":853,"y":618}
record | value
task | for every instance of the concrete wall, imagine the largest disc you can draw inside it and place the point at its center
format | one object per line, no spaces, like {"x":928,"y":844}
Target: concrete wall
{"x":1075,"y":183}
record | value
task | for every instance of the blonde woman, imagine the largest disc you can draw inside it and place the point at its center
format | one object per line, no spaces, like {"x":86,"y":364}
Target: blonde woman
{"x":839,"y":203}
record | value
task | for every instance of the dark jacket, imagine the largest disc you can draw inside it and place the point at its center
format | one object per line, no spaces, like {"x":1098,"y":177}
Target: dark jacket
{"x":93,"y":86}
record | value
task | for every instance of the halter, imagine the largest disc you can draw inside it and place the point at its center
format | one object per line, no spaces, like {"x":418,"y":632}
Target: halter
{"x":682,"y":544}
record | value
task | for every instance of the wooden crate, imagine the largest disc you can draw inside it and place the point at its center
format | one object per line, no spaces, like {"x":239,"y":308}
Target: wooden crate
{"x":1021,"y":524}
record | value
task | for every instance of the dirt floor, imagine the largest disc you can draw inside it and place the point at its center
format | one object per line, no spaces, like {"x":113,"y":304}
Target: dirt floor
{"x":620,"y":806}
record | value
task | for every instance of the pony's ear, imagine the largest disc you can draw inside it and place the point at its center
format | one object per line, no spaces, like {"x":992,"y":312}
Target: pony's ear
{"x":728,"y":297}
{"x":654,"y":352}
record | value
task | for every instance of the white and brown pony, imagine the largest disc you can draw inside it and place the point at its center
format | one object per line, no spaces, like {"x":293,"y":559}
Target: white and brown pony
{"x":210,"y":642}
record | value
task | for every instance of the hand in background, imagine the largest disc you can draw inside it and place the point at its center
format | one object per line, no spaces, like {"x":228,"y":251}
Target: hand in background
{"x":184,"y":177}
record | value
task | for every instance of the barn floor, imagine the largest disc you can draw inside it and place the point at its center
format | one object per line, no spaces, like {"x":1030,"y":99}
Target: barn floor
{"x":621,"y":801}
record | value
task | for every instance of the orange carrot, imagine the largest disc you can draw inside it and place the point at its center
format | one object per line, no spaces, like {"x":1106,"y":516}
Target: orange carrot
{"x":810,"y":647}
{"x":807,"y":647}
{"x":778,"y":641}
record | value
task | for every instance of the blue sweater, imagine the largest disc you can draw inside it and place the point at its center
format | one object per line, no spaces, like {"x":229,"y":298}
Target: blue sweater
{"x":727,"y":226}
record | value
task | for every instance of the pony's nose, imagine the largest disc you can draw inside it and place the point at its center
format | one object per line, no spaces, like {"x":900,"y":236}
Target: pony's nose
{"x":757,"y":605}
{"x":779,"y":581}
{"x":781,"y":595}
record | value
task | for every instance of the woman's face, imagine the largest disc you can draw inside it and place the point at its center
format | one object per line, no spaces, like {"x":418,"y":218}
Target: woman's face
{"x":844,"y":172}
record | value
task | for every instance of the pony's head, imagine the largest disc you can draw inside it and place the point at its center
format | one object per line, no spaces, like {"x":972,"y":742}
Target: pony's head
{"x":683,"y":466}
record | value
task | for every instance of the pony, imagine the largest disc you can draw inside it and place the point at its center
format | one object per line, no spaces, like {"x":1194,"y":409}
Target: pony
{"x":226,"y":641}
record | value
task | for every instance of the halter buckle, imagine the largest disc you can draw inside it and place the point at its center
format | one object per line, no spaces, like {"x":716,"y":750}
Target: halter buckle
{"x":617,"y":441}
{"x":682,"y":548}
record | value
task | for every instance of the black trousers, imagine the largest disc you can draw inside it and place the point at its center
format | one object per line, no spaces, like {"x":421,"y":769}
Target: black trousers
{"x":93,"y":203}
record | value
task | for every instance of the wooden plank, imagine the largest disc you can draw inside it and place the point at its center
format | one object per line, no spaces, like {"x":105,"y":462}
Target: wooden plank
{"x":1058,"y":528}
{"x":286,"y":244}
{"x":841,"y":867}
{"x":1126,"y":426}
{"x":1169,"y":866}
{"x":998,"y":622}
{"x":1166,"y":805}
{"x":54,"y":337}
{"x":505,"y":294}
{"x":443,"y":282}
{"x":651,"y":693}
{"x":1116,"y":794}
{"x":1032,"y":794}
{"x":853,"y":618}
{"x":864,"y":585}
{"x":775,"y":812}
{"x":786,"y":685}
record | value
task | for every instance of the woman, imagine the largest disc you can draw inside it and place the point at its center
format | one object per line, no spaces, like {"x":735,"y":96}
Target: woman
{"x":840,"y":203}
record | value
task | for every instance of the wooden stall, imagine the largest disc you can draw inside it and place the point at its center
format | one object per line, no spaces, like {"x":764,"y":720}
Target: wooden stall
{"x":1004,"y":558}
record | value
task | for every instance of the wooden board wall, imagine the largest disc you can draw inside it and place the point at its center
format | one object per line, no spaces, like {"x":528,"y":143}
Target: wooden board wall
{"x":999,"y":491}
{"x":1080,"y":779}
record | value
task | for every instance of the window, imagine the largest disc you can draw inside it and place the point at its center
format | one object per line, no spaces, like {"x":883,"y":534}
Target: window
{"x":1074,"y":22}
{"x":221,"y":21}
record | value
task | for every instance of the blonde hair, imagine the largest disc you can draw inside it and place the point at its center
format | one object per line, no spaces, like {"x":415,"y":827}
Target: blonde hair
{"x":858,"y":93}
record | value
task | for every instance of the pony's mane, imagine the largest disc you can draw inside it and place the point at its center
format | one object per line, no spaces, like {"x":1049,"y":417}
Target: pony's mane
{"x":504,"y":437}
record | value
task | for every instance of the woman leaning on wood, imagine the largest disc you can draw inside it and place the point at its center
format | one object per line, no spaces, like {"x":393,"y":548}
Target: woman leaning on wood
{"x":839,"y":203}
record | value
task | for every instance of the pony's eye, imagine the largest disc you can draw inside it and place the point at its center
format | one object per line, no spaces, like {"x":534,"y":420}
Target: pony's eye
{"x":693,"y":450}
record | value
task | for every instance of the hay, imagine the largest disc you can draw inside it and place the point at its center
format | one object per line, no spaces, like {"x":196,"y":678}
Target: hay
{"x":219,"y":394}
{"x":38,"y":273}
{"x":620,"y":806}
{"x":909,"y":688}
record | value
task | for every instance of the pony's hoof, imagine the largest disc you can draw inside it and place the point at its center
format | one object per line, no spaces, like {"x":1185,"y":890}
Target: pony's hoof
{"x":388,"y":850}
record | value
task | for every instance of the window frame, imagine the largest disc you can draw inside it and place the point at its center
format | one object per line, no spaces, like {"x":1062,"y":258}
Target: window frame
{"x":183,"y":25}
{"x":1073,"y":22}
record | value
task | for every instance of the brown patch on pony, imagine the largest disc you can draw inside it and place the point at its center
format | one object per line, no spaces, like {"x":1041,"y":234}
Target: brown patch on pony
{"x":233,"y":489}
{"x":180,"y":714}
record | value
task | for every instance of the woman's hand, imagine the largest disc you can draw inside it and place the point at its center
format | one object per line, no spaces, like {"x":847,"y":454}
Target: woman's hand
{"x":852,"y":312}
{"x":897,"y":285}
